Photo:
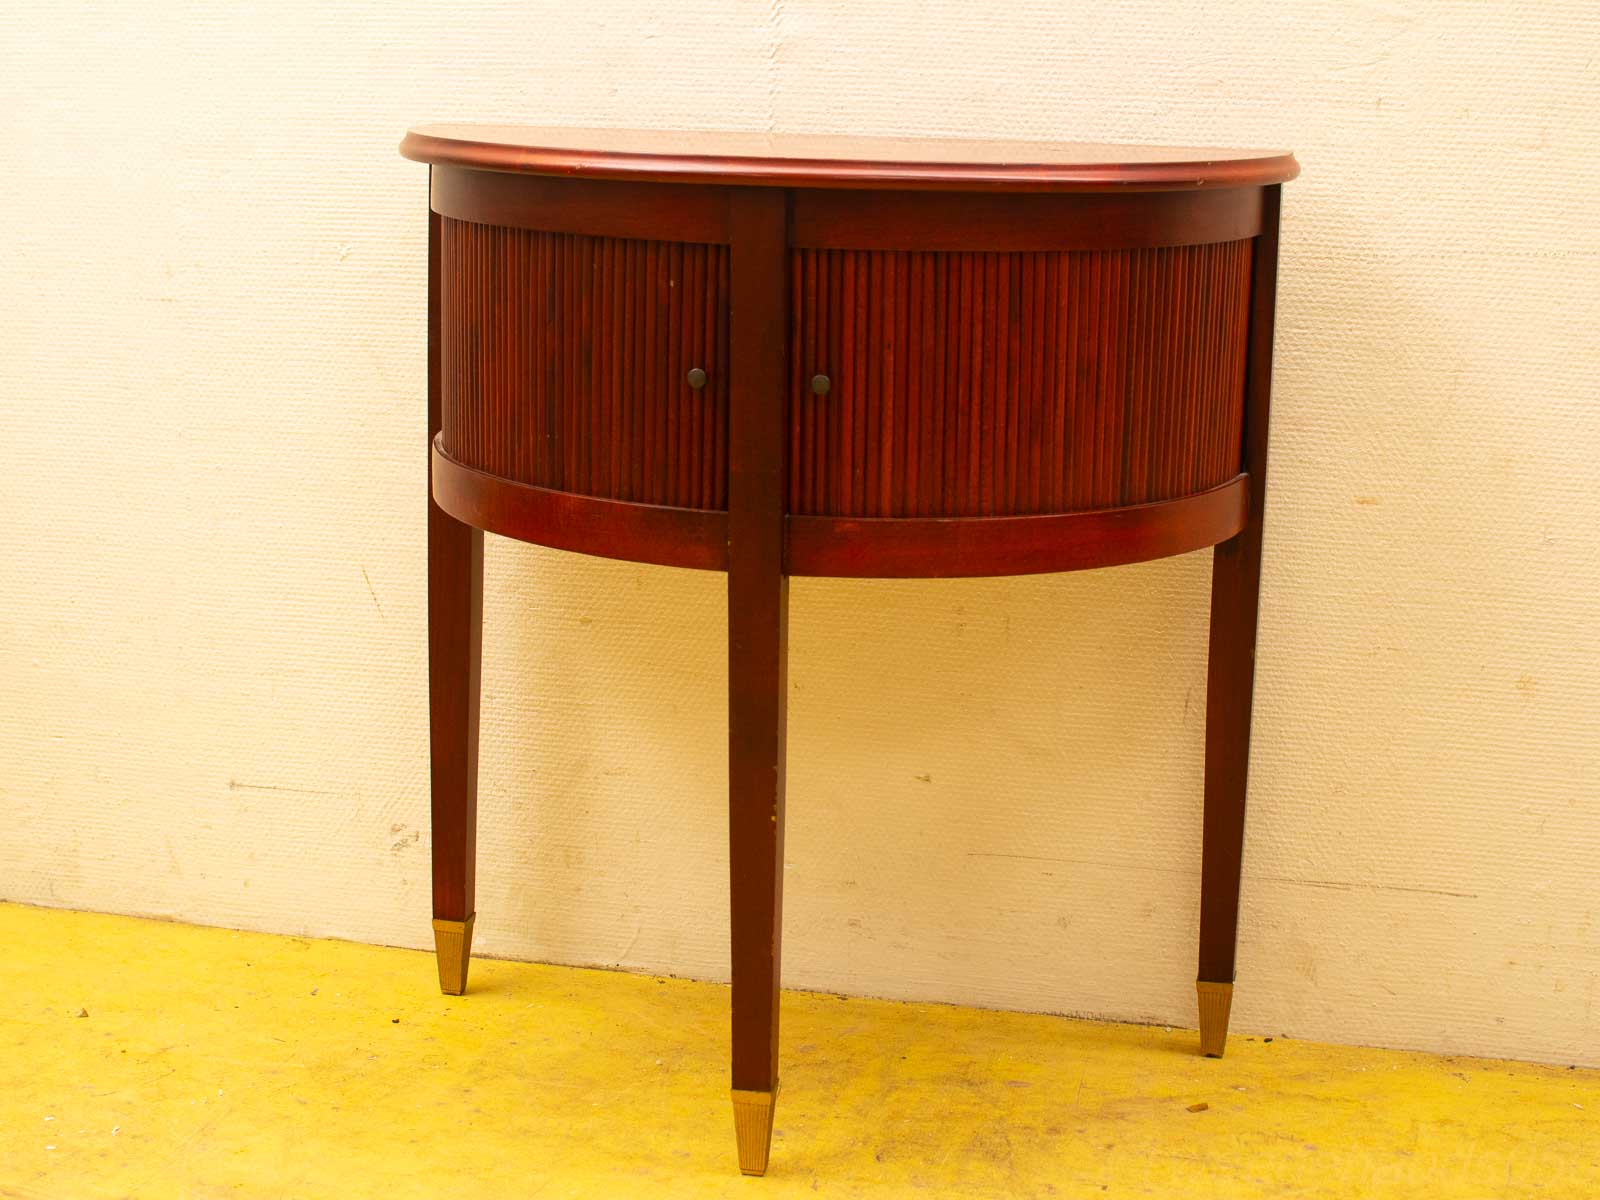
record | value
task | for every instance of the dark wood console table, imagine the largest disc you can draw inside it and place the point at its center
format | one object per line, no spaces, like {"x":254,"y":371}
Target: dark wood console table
{"x":779,"y":355}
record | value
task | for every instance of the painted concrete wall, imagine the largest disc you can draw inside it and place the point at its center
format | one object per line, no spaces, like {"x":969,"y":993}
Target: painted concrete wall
{"x":212,"y":700}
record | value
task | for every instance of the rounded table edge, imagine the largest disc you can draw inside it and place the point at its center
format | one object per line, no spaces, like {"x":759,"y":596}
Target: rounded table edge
{"x":1263,"y":169}
{"x":845,"y":547}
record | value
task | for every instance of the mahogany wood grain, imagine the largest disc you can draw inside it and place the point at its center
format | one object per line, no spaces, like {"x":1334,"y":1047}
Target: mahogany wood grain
{"x":758,"y":628}
{"x":659,"y":212}
{"x":898,"y":220}
{"x":566,"y":359}
{"x":1235,"y":604}
{"x":949,"y":547}
{"x":844,"y":547}
{"x":455,"y":645}
{"x":982,"y":384}
{"x":817,"y":160}
{"x":647,"y":533}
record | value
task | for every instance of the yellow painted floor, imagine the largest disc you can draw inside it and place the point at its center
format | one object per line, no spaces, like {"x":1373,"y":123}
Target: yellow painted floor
{"x":142,"y":1059}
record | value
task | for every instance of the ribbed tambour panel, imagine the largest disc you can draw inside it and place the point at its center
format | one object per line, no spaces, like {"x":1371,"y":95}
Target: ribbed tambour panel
{"x":564,"y":361}
{"x":968,"y":384}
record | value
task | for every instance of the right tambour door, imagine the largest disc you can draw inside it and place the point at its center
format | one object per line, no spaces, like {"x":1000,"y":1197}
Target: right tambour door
{"x":992,"y":383}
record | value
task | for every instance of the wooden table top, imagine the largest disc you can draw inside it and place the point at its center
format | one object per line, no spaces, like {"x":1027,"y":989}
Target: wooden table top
{"x":822,"y":160}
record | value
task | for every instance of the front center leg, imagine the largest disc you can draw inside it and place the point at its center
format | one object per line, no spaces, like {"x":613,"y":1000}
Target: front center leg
{"x":758,"y":633}
{"x":758,"y":629}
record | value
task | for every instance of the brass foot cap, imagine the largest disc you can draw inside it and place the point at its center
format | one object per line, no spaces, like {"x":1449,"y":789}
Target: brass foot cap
{"x":752,"y":1125}
{"x":1216,"y":999}
{"x":452,"y":944}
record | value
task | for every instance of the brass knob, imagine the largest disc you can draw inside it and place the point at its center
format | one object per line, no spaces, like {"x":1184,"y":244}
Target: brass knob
{"x":820,"y":385}
{"x":697,"y":378}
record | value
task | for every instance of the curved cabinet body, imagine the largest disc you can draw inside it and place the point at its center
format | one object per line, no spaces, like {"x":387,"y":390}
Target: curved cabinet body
{"x":988,"y":356}
{"x":777,"y":356}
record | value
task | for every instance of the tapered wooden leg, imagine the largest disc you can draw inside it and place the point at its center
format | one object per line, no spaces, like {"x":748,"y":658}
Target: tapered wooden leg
{"x":758,"y":609}
{"x":1234,"y":575}
{"x":455,"y":625}
{"x":1230,"y":683}
{"x":758,"y":622}
{"x":455,"y":643}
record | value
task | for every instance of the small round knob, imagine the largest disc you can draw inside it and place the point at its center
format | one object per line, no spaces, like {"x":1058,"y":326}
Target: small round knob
{"x":696,"y":378}
{"x":820,"y":385}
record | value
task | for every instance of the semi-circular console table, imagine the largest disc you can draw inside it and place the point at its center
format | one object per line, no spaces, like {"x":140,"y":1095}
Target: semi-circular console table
{"x":777,"y":355}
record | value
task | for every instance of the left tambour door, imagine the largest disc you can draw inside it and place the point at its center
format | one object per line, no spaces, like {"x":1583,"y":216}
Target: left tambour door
{"x":569,"y":361}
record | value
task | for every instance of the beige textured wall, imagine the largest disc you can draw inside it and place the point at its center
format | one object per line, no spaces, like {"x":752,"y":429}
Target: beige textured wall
{"x":212,"y":695}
